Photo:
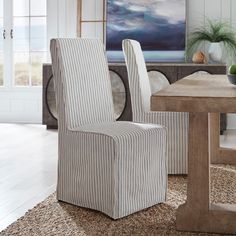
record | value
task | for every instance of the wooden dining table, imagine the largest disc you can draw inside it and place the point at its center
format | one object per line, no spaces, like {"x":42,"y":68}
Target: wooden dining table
{"x":204,"y":97}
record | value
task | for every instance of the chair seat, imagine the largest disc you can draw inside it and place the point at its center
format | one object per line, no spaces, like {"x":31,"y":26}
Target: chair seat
{"x":130,"y":158}
{"x":120,"y":129}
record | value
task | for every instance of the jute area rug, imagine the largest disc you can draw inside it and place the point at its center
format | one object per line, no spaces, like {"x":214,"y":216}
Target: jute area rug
{"x":60,"y":219}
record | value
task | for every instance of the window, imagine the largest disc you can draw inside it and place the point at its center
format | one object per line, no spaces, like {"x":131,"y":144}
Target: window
{"x":24,"y":41}
{"x":29,"y":36}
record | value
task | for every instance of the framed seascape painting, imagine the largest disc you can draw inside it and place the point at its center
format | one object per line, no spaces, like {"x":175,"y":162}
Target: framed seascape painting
{"x":159,"y":26}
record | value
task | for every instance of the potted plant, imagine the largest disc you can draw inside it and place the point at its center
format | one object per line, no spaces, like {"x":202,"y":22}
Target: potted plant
{"x":217,"y":33}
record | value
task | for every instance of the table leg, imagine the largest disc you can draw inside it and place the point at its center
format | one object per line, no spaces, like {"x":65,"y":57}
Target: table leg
{"x":219,"y":155}
{"x":197,"y":214}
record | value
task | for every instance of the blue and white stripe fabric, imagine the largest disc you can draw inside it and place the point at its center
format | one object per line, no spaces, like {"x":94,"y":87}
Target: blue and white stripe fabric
{"x":117,"y":168}
{"x":177,"y":123}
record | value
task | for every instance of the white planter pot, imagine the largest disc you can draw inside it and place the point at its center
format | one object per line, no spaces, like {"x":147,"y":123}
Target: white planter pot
{"x":215,"y":52}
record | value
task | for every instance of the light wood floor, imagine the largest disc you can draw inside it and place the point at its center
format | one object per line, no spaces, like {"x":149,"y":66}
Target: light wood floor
{"x":28,"y":162}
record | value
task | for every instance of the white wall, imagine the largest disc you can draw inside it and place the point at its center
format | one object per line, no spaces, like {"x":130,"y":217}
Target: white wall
{"x":62,"y":19}
{"x":196,"y":12}
{"x":213,"y":9}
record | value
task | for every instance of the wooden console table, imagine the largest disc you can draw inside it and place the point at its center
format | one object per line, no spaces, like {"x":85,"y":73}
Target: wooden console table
{"x":204,"y":97}
{"x":172,"y":71}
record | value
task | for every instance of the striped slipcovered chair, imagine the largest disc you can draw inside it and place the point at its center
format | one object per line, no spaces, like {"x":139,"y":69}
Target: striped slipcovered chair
{"x":176,"y":123}
{"x":117,"y":168}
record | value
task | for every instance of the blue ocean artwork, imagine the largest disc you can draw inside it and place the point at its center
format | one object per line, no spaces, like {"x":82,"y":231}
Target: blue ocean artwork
{"x":159,"y":26}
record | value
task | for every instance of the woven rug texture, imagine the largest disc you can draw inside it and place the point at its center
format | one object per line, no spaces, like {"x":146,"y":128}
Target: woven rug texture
{"x":51,"y":217}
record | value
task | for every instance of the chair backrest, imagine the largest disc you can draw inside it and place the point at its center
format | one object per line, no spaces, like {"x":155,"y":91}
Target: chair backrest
{"x":138,"y":77}
{"x":82,"y":82}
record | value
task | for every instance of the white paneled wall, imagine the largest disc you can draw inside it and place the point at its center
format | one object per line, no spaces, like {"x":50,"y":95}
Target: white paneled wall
{"x":62,"y":19}
{"x":92,"y":10}
{"x":92,"y":19}
{"x":197,"y":10}
{"x":213,"y":9}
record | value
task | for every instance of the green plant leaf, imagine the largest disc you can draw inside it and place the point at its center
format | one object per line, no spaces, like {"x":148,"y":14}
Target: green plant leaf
{"x":212,"y":31}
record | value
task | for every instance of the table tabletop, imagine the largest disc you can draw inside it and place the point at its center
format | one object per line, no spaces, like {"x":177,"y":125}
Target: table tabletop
{"x":197,"y":93}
